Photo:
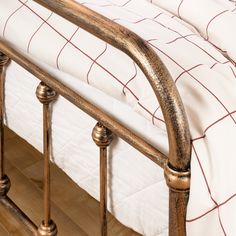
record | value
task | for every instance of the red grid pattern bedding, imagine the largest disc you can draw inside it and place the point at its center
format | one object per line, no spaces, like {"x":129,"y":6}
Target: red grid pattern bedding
{"x":205,"y":78}
{"x":215,"y":22}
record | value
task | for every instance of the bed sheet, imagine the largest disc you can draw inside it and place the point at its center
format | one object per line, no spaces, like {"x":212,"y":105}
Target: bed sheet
{"x":215,"y":20}
{"x":205,"y":79}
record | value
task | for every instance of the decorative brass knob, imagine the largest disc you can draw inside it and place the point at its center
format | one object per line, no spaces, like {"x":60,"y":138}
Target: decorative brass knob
{"x":45,"y":94}
{"x":3,"y":60}
{"x":50,"y":230}
{"x":101,"y":135}
{"x":5,"y":185}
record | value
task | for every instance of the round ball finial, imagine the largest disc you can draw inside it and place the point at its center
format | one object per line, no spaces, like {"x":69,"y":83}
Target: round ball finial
{"x":50,"y":230}
{"x":5,"y":185}
{"x":101,"y":135}
{"x":45,"y":94}
{"x":3,"y":60}
{"x":177,"y":181}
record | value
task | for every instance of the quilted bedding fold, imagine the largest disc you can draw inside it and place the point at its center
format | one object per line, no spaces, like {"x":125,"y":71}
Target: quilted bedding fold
{"x":214,"y":19}
{"x":204,"y":77}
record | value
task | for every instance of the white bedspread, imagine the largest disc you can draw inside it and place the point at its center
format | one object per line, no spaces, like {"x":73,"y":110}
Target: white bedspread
{"x":215,"y":20}
{"x":205,"y":79}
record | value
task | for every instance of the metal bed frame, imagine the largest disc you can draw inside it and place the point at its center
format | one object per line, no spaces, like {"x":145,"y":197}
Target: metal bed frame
{"x":176,"y":165}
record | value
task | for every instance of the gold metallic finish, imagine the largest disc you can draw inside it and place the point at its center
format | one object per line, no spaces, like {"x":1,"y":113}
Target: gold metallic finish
{"x":46,"y":95}
{"x":177,"y":181}
{"x":148,"y":61}
{"x":5,"y":185}
{"x":50,"y":230}
{"x":103,"y":191}
{"x":4,"y":180}
{"x":46,"y":144}
{"x":177,"y":213}
{"x":102,"y":137}
{"x":162,"y":84}
{"x":179,"y":185}
{"x":3,"y":62}
{"x":110,"y":122}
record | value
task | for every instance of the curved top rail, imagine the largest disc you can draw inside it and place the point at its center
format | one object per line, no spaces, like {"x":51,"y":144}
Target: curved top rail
{"x":148,"y":61}
{"x":110,"y":122}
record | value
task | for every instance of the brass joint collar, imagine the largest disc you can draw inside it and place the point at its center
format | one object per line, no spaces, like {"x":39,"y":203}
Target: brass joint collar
{"x":176,"y":180}
{"x":45,"y":94}
{"x":50,"y":230}
{"x":101,"y":135}
{"x":3,"y":60}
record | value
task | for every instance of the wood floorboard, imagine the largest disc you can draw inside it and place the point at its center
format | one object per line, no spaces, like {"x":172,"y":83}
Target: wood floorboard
{"x":3,"y":232}
{"x":19,"y":152}
{"x":29,"y":198}
{"x":74,"y":211}
{"x":10,"y":224}
{"x":84,"y":209}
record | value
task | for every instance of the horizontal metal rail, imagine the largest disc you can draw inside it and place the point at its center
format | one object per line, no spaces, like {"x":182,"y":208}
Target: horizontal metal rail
{"x":177,"y":171}
{"x":19,"y":215}
{"x":72,"y":96}
{"x":148,"y":61}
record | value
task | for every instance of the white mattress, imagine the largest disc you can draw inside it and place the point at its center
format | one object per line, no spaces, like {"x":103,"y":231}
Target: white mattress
{"x":204,"y":77}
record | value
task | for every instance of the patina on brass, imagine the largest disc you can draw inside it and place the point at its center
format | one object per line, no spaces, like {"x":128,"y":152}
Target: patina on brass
{"x":46,"y":95}
{"x":177,"y":180}
{"x":179,"y":185}
{"x":4,"y":180}
{"x":162,"y":84}
{"x":49,"y":230}
{"x":148,"y":61}
{"x":102,"y":137}
{"x":5,"y":185}
{"x":110,"y":122}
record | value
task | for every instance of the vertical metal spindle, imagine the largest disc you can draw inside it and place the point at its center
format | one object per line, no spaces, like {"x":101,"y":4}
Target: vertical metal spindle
{"x":4,"y":180}
{"x":46,"y":95}
{"x":103,"y":190}
{"x":179,"y":185}
{"x":103,"y":137}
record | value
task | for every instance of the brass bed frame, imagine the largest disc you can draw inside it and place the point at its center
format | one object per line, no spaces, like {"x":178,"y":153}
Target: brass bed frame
{"x":176,"y":165}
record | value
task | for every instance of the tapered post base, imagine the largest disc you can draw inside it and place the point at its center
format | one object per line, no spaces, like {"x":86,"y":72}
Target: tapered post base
{"x":50,"y":230}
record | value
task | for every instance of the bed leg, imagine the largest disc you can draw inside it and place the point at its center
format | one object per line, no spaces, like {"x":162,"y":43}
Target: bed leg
{"x":179,"y":184}
{"x":4,"y":180}
{"x":46,"y":95}
{"x":102,"y":137}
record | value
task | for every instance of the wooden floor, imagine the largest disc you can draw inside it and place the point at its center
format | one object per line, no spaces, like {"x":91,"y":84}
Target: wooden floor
{"x":74,"y":211}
